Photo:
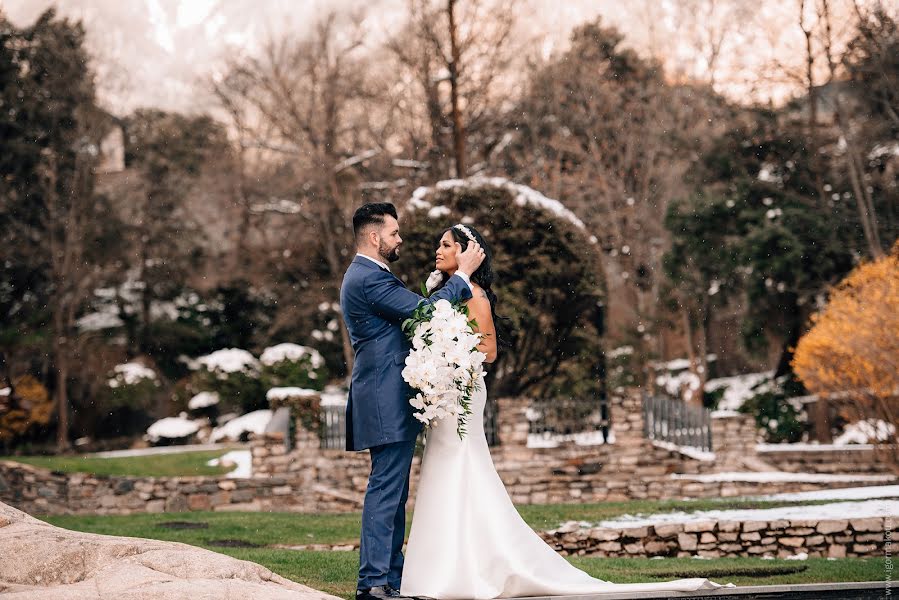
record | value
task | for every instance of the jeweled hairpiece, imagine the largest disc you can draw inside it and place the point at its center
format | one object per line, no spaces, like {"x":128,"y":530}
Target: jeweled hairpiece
{"x":466,"y":231}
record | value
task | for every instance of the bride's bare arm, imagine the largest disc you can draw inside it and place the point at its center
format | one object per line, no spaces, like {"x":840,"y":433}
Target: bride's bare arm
{"x":479,"y":310}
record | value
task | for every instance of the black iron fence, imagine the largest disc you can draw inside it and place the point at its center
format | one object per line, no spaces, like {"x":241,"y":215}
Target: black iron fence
{"x":676,"y":422}
{"x":556,"y":419}
{"x":333,"y":427}
{"x":569,"y":419}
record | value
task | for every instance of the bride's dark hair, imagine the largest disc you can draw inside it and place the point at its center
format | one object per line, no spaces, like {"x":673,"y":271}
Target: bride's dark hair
{"x":484,"y":277}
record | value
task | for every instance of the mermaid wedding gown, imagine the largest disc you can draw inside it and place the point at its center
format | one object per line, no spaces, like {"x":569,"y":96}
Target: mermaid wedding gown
{"x":467,"y":541}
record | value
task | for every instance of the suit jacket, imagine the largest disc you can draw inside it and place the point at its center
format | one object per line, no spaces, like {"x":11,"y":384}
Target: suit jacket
{"x":375,"y":303}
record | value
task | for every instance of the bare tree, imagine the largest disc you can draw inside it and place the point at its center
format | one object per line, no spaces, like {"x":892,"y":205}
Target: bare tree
{"x":454,"y":75}
{"x":298,"y":102}
{"x":71,"y":223}
{"x":469,"y":45}
{"x":853,"y":154}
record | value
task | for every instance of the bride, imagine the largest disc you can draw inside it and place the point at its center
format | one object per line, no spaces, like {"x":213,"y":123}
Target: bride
{"x":467,"y":540}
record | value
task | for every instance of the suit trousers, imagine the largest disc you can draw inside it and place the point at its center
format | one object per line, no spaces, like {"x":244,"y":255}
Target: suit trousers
{"x":384,"y":515}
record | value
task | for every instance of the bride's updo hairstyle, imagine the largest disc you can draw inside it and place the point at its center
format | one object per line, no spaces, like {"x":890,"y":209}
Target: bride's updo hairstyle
{"x":484,"y":276}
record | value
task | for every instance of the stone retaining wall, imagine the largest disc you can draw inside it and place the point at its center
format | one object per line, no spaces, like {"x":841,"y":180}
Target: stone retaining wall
{"x":38,"y":491}
{"x":825,"y":459}
{"x":715,"y":539}
{"x":311,"y":479}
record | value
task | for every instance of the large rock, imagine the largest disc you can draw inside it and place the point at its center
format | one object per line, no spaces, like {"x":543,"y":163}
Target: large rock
{"x":50,"y":563}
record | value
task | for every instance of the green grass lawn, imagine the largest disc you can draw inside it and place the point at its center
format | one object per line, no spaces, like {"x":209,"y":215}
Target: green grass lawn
{"x":301,"y":529}
{"x":335,"y":572}
{"x":157,"y":465}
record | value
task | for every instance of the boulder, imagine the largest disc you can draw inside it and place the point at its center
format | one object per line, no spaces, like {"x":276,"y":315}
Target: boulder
{"x":57,"y":564}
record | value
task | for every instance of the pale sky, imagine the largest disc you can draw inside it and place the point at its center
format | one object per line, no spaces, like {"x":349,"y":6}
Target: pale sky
{"x":154,"y":52}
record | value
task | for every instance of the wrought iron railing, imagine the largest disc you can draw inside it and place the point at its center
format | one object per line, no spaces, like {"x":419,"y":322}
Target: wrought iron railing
{"x":569,"y":419}
{"x":676,"y":422}
{"x":333,"y":427}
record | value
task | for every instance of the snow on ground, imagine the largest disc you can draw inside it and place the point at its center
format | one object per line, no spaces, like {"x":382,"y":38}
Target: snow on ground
{"x":811,"y":447}
{"x":241,"y":459}
{"x":202,"y":400}
{"x":288,"y":351}
{"x":865,"y":432}
{"x":583,"y":438}
{"x":156,"y":450}
{"x":229,"y":360}
{"x":814,"y":512}
{"x":171,"y":428}
{"x":132,"y":373}
{"x":771,"y":476}
{"x":738,"y":388}
{"x":674,"y":375}
{"x":689,"y":451}
{"x":253,"y":422}
{"x":857,"y":493}
{"x":281,"y":393}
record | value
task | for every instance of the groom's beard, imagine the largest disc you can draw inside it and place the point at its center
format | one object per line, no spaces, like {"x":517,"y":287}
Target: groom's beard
{"x":389,"y":254}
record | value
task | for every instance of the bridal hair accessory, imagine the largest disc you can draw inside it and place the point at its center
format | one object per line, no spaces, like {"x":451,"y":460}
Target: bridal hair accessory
{"x":466,"y":231}
{"x":436,"y":277}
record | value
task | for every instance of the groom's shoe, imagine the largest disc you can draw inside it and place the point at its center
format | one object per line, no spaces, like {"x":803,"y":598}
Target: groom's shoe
{"x":381,"y":592}
{"x":402,"y":597}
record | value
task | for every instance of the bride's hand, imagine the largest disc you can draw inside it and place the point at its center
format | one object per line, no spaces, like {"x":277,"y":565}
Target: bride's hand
{"x":471,"y":258}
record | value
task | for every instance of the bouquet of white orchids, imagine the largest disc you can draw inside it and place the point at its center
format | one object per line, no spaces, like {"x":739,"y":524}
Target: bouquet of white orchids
{"x":444,"y":365}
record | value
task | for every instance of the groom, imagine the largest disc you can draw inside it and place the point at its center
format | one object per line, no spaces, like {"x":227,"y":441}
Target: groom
{"x":378,"y":415}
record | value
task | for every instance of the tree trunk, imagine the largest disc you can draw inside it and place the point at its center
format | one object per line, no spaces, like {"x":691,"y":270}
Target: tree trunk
{"x":332,"y":253}
{"x":60,"y":350}
{"x":458,"y":127}
{"x":820,"y":415}
{"x":854,"y":163}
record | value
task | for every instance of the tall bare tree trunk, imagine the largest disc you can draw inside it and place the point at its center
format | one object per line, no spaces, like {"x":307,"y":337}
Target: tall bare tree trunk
{"x":458,"y":127}
{"x":60,"y":351}
{"x":812,"y":92}
{"x":855,"y":165}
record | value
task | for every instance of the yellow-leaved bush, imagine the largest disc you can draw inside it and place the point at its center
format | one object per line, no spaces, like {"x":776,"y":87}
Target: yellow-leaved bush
{"x":852,"y":348}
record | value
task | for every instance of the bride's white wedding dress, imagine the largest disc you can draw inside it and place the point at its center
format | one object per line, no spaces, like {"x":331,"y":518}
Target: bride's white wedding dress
{"x":467,"y":540}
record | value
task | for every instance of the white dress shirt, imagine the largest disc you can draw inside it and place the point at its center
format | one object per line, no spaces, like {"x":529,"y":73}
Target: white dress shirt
{"x":464,"y":276}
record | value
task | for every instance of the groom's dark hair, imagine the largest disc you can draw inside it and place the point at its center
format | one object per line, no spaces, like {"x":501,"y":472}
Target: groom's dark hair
{"x":370,"y":214}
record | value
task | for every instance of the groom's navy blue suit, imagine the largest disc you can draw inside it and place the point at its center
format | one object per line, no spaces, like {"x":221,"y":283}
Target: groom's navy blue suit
{"x":378,"y":415}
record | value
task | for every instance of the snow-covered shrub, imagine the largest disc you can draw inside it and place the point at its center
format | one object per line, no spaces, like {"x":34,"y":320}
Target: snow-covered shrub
{"x":779,"y":420}
{"x":293,"y":365}
{"x":240,"y":428}
{"x":130,"y":385}
{"x":548,"y":279}
{"x":172,"y":430}
{"x":205,"y":404}
{"x":196,"y":322}
{"x":234,"y":374}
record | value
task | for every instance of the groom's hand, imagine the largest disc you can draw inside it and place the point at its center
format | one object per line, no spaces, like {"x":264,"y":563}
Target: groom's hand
{"x":471,"y":258}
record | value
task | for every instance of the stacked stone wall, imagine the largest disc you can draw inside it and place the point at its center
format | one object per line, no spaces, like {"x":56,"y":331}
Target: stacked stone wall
{"x":310,"y":479}
{"x":714,"y":539}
